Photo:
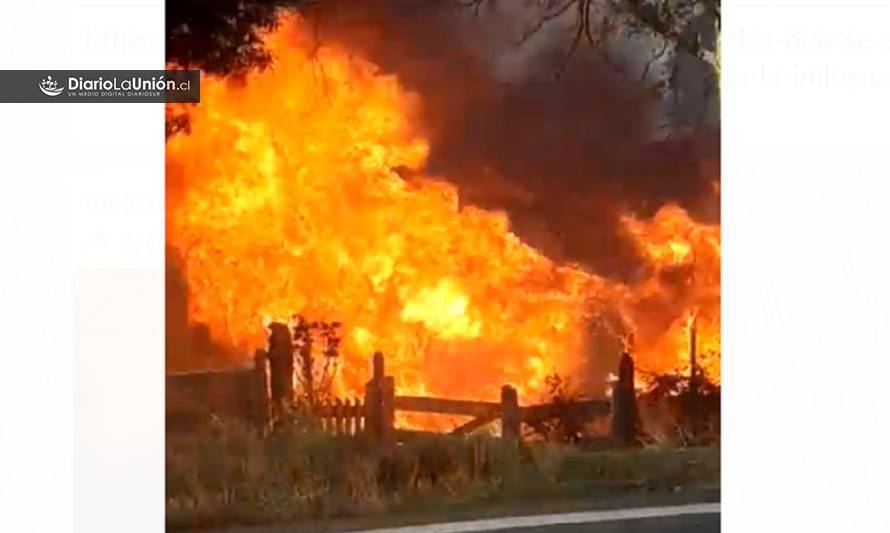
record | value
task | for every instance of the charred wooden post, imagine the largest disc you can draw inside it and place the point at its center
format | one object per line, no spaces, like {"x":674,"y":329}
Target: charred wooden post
{"x":693,"y":401}
{"x":374,"y":398}
{"x":511,"y":417}
{"x":324,"y":413}
{"x":306,"y":370}
{"x":379,"y":370}
{"x":302,"y":339}
{"x":693,"y":355}
{"x":388,"y":410}
{"x":342,"y":417}
{"x":262,"y":403}
{"x":372,"y":403}
{"x":320,"y":415}
{"x":358,"y":414}
{"x":625,"y":414}
{"x":281,"y":365}
{"x":330,"y":418}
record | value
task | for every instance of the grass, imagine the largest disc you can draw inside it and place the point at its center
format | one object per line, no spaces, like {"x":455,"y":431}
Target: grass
{"x":227,"y":474}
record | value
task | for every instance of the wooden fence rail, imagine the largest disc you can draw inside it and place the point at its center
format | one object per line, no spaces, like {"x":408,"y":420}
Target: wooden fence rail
{"x":581,"y":408}
{"x":422,"y":404}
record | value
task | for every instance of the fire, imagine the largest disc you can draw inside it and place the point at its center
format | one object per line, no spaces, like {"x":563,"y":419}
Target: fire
{"x":302,"y":190}
{"x":443,"y":310}
{"x":681,"y":288}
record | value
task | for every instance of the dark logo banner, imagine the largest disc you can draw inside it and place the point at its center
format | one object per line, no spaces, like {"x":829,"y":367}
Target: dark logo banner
{"x":35,"y":86}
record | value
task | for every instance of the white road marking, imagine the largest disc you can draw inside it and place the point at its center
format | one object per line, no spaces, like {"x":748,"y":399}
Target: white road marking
{"x":586,"y":517}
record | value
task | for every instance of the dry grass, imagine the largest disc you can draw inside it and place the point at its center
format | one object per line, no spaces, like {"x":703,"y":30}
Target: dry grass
{"x":228,"y":474}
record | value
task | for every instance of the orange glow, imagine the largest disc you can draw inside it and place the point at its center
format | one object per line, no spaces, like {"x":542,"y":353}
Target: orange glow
{"x":289,"y":196}
{"x":682,"y":285}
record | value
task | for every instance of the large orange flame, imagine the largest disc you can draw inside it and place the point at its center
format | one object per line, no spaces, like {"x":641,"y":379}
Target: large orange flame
{"x":681,"y":291}
{"x":301,"y":190}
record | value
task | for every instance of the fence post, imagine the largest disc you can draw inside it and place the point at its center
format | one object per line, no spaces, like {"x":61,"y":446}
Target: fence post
{"x":374,"y":415}
{"x":262,"y":403}
{"x":342,"y":416}
{"x":350,"y":416}
{"x":625,"y":416}
{"x":388,"y":410}
{"x":691,"y":411}
{"x":372,"y":404}
{"x":510,"y":416}
{"x":379,"y":370}
{"x":319,"y":416}
{"x":281,"y":366}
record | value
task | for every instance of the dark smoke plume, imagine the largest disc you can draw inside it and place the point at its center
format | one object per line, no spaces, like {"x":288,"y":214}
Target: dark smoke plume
{"x":563,"y":151}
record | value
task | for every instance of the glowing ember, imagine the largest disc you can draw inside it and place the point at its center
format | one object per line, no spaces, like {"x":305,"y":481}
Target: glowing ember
{"x":288,"y":196}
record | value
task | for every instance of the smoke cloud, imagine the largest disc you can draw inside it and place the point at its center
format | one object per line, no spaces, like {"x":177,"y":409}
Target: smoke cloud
{"x":563,"y":150}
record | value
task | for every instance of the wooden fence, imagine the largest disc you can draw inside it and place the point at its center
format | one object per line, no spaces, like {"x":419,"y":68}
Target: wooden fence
{"x":246,"y":394}
{"x":341,"y":417}
{"x":192,"y":398}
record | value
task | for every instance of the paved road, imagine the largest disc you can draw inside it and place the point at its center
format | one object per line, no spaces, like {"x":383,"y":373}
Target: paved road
{"x":679,"y":518}
{"x":705,"y":523}
{"x":693,"y":518}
